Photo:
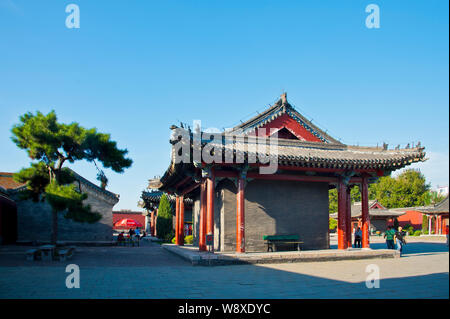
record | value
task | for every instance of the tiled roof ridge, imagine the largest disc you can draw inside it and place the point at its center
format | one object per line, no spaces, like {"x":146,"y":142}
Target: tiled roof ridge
{"x":17,"y":185}
{"x":281,"y":107}
{"x":93,"y":186}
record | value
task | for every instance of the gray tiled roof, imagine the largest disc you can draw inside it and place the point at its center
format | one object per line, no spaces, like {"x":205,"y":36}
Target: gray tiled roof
{"x":95,"y":187}
{"x":310,"y":154}
{"x":373,"y":212}
{"x":155,"y":196}
{"x":329,"y":153}
{"x":441,"y":207}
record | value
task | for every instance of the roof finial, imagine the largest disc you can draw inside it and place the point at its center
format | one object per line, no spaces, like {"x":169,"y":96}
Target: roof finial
{"x":284,"y":98}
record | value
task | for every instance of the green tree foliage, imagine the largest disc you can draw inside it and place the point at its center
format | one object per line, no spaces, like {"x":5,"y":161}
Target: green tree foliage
{"x":164,"y":224}
{"x":435,"y":198}
{"x":424,"y":222}
{"x":37,"y":179}
{"x":333,"y":223}
{"x":406,"y":190}
{"x":355,"y":196}
{"x":333,"y":200}
{"x":51,"y":144}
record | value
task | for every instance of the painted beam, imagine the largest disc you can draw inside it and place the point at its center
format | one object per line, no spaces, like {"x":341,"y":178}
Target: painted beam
{"x":299,"y":178}
{"x":190,"y":189}
{"x":184,"y":181}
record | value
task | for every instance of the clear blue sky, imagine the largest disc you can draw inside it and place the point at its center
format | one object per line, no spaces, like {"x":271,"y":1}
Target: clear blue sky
{"x":136,"y":67}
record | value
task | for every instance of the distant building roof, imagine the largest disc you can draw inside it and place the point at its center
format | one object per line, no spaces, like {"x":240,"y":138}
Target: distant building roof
{"x":150,"y":199}
{"x":126,"y":211}
{"x":439,"y":208}
{"x":8,"y":183}
{"x":95,"y":187}
{"x":375,"y":210}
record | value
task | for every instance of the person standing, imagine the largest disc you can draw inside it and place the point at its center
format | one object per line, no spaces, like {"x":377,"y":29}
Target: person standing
{"x":446,"y":233}
{"x":389,"y":235}
{"x":358,"y":235}
{"x":137,"y":233}
{"x":400,"y":237}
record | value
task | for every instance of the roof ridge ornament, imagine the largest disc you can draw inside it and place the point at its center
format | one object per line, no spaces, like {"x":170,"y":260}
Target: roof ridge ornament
{"x":283,"y":98}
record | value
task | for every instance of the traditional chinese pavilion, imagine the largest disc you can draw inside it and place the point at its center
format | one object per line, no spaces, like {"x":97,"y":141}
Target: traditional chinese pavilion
{"x":440,"y":213}
{"x":238,"y":205}
{"x":379,"y":216}
{"x":150,"y":201}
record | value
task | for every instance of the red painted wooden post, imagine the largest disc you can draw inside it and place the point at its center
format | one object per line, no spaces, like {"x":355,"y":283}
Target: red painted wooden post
{"x":439,"y":230}
{"x":156,"y":222}
{"x":342,"y":211}
{"x":202,"y":221}
{"x":348,"y":216}
{"x":240,"y":217}
{"x":435,"y":224}
{"x":365,"y":213}
{"x":210,"y":204}
{"x":152,"y":223}
{"x":181,"y":222}
{"x":177,"y":218}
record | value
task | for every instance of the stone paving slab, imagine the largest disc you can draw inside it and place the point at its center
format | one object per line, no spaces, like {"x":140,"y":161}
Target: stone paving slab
{"x":153,"y":272}
{"x":195,"y":257}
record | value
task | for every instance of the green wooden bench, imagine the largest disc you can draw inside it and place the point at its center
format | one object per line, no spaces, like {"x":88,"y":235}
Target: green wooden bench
{"x":272,"y":240}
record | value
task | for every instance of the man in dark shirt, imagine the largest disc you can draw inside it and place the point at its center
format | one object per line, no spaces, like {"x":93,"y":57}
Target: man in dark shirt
{"x":400,"y":236}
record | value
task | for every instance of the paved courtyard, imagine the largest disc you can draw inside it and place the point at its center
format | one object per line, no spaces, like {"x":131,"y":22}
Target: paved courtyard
{"x":151,"y":272}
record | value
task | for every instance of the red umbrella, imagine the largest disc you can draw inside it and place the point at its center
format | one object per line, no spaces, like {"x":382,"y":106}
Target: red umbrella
{"x":127,"y":222}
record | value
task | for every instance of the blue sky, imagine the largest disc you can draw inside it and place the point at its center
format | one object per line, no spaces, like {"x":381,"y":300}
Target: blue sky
{"x":134,"y":68}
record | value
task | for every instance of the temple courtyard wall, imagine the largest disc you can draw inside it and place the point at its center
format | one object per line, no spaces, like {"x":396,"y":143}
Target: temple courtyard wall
{"x":271,"y":208}
{"x":34,"y":220}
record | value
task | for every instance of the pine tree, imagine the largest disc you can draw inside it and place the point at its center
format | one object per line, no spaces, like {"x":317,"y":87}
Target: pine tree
{"x":51,"y":144}
{"x":164,"y":224}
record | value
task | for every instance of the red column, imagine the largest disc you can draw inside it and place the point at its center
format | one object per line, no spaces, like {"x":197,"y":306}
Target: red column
{"x":435,"y":224}
{"x":349,"y":217}
{"x":181,"y":221}
{"x":240,"y":219}
{"x":342,"y":211}
{"x":152,"y":223}
{"x":365,"y":212}
{"x":210,"y":204}
{"x":156,"y":222}
{"x":177,"y":219}
{"x":439,"y":224}
{"x":202,"y":221}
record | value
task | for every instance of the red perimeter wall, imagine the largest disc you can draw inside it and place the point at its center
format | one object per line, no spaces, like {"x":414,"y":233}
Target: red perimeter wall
{"x":412,"y":217}
{"x":136,"y":216}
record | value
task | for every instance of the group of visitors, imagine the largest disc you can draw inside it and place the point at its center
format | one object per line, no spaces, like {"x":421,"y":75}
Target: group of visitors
{"x":395,"y":238}
{"x":133,"y":234}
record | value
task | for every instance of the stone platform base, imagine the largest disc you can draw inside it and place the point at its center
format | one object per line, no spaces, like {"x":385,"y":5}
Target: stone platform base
{"x":191,"y":254}
{"x":69,"y":243}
